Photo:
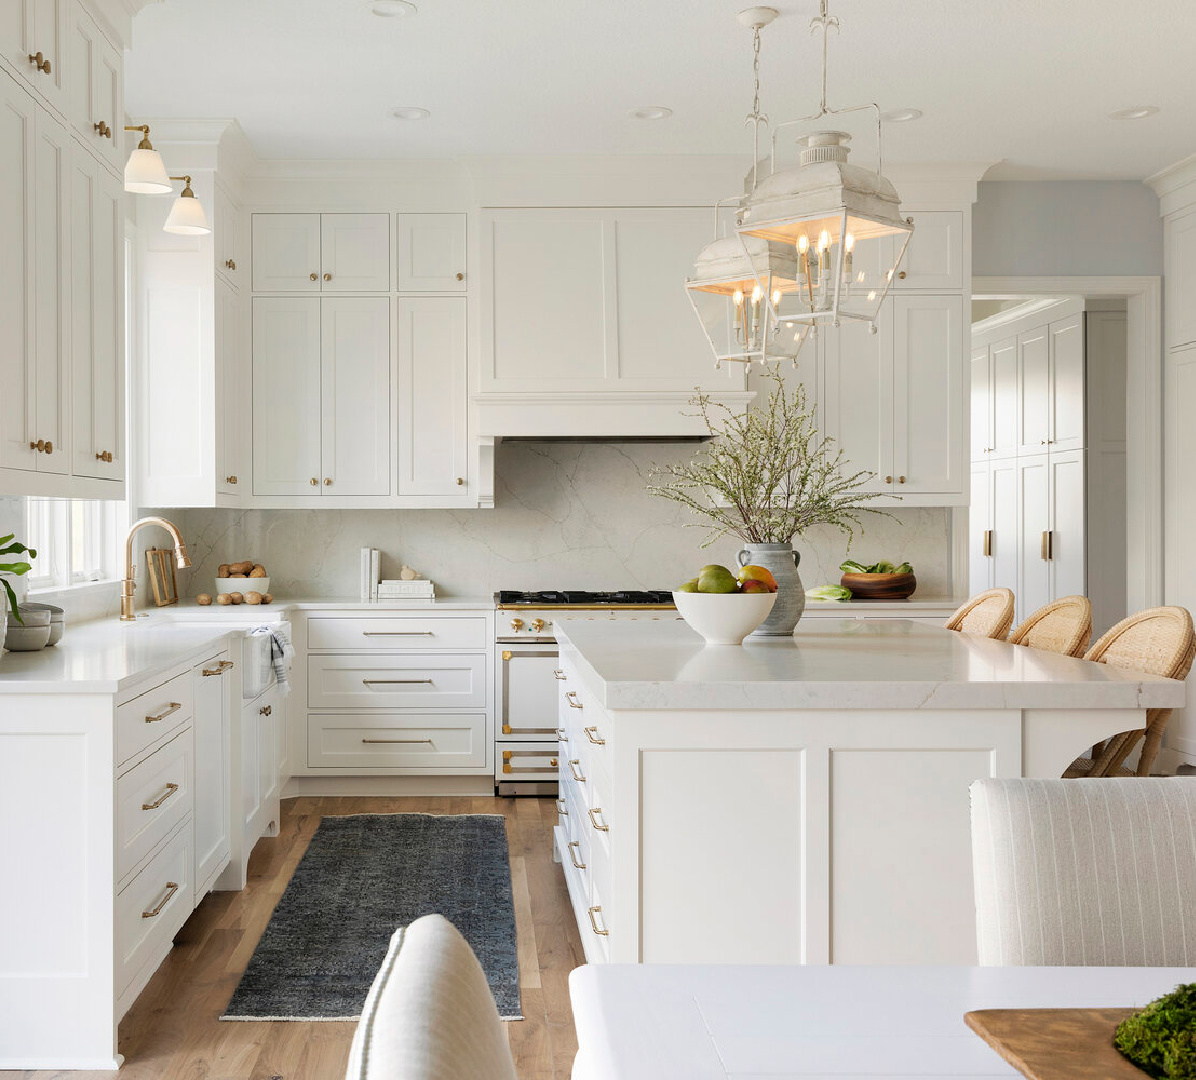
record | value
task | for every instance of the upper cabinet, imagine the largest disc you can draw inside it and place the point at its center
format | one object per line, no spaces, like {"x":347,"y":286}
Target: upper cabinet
{"x":96,"y":91}
{"x":934,"y":258}
{"x":227,"y":238}
{"x":1050,"y":380}
{"x":329,"y":253}
{"x":1179,"y":244}
{"x":431,"y":253}
{"x":33,"y":35}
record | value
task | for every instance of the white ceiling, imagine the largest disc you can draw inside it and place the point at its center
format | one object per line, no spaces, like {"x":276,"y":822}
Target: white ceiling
{"x":1029,"y":83}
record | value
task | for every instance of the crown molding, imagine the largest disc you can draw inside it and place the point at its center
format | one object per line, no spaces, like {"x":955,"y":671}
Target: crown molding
{"x":1175,"y":185}
{"x":1016,"y":314}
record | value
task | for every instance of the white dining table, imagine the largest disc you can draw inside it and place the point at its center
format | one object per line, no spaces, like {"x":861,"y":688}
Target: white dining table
{"x":708,"y":1022}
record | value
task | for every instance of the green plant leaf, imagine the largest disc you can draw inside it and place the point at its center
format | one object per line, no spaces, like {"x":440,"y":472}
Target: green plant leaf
{"x":12,"y":601}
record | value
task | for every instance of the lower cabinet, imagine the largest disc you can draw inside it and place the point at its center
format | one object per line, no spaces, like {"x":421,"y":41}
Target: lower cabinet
{"x":212,"y":752}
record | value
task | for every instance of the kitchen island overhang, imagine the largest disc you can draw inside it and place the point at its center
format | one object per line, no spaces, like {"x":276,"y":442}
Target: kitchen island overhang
{"x":804,"y":799}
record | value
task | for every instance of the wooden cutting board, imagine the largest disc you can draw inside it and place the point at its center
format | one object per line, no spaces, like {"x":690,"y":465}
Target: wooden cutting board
{"x":1057,"y":1044}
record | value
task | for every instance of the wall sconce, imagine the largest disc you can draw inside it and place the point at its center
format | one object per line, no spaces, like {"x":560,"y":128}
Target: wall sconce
{"x":186,"y":216}
{"x":144,"y":172}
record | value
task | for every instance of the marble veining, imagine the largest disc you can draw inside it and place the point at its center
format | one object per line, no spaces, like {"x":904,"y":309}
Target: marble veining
{"x":843,"y":664}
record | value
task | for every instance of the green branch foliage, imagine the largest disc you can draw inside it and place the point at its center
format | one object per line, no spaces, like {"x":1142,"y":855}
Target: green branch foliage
{"x":9,"y":545}
{"x":767,"y":475}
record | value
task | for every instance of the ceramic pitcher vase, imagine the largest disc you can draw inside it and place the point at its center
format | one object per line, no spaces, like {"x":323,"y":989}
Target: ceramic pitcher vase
{"x":782,"y":561}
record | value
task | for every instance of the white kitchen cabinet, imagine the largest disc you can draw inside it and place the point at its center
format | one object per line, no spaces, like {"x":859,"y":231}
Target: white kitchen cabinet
{"x":432,"y":450}
{"x":1052,"y":518}
{"x":856,"y":406}
{"x":1066,"y":399}
{"x":260,"y":783}
{"x":97,"y":304}
{"x":982,"y":403}
{"x":321,"y":392}
{"x":1034,"y":504}
{"x":1179,"y":246}
{"x":1003,"y":368}
{"x":1006,"y":541}
{"x":1034,"y":388}
{"x":431,"y":256}
{"x":233,"y":390}
{"x":980,"y":529}
{"x":934,"y":258}
{"x":30,"y":27}
{"x":212,"y":753}
{"x":96,"y":91}
{"x":321,"y":252}
{"x":226,"y":238}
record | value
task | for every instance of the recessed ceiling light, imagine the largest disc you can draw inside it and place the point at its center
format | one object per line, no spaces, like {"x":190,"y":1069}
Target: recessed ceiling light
{"x":1134,"y":112}
{"x":900,"y":116}
{"x":410,"y":112}
{"x":650,"y":112}
{"x":388,"y":9}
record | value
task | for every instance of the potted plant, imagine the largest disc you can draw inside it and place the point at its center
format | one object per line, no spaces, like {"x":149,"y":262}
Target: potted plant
{"x":9,"y":546}
{"x":766,"y":476}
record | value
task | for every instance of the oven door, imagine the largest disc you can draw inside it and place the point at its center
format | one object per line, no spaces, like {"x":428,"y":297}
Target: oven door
{"x":527,"y":691}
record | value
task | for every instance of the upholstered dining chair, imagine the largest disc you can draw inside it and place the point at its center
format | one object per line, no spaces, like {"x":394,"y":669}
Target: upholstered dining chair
{"x":430,"y":1014}
{"x":1160,"y":641}
{"x":988,"y":614}
{"x":1101,"y":873}
{"x":1064,"y":627}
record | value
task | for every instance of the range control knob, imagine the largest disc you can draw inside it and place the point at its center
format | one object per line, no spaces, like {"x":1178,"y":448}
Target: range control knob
{"x":516,"y":624}
{"x":537,"y":625}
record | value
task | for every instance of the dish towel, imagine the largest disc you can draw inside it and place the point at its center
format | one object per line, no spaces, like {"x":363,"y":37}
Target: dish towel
{"x":282,"y":652}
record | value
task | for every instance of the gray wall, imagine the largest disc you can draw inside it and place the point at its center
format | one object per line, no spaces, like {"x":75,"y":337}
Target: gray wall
{"x":1066,"y":227}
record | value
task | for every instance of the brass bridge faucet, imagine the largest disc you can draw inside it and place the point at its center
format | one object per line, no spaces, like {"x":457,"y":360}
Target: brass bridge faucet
{"x":128,"y":586}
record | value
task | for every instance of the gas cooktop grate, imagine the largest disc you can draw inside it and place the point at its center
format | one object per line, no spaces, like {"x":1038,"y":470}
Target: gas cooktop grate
{"x":570,"y":597}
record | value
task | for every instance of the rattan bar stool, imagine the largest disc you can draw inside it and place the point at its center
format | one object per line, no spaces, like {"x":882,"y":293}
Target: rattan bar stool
{"x":1063,"y":627}
{"x":987,"y":614}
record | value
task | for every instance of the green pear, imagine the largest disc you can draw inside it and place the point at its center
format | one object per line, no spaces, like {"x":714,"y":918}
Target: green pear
{"x":716,"y":579}
{"x":690,"y":586}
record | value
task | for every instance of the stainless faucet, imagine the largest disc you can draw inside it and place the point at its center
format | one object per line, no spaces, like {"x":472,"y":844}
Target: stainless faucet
{"x":128,"y":586}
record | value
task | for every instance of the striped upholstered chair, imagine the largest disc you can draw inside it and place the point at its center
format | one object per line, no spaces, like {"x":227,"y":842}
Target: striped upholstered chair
{"x":1101,"y":873}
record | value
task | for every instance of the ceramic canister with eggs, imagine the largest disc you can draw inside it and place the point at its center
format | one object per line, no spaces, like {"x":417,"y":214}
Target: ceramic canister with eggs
{"x":244,"y":582}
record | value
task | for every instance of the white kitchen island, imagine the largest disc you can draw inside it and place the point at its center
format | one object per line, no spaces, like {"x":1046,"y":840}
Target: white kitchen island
{"x":802,"y":800}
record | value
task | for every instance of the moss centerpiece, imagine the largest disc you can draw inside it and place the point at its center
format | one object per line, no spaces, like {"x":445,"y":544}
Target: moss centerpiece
{"x":1161,"y":1039}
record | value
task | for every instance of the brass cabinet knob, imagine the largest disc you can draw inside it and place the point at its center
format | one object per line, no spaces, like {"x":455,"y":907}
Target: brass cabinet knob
{"x":516,"y":624}
{"x":230,"y":264}
{"x":902,"y":275}
{"x":104,"y":455}
{"x":315,"y":482}
{"x":327,"y":277}
{"x":460,"y":481}
{"x":901,"y":479}
{"x":39,"y":446}
{"x":40,"y":62}
{"x":266,"y":710}
{"x":230,"y":479}
{"x":102,"y":129}
{"x":888,"y":479}
{"x":328,"y":481}
{"x":537,"y":625}
{"x":314,"y":277}
{"x":460,"y":277}
{"x":49,"y":446}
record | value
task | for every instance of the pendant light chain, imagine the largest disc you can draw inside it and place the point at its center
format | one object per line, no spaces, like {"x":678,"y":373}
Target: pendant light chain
{"x":756,"y":117}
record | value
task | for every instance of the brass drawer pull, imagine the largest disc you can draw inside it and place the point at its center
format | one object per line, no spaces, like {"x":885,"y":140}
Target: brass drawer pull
{"x":219,"y":669}
{"x":561,"y":808}
{"x":573,"y":858}
{"x":172,"y":708}
{"x":559,"y":675}
{"x":412,"y":742}
{"x":170,"y":790}
{"x":171,"y":888}
{"x":594,"y":821}
{"x":1047,"y":546}
{"x":395,"y":682}
{"x":573,"y":763}
{"x":594,"y":922}
{"x":398,"y":633}
{"x":571,"y":697}
{"x":593,"y":736}
{"x":265,"y":710}
{"x":988,"y":543}
{"x":562,"y":735}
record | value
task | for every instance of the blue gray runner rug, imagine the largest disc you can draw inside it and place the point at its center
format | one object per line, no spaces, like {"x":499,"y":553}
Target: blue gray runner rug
{"x":361,"y":878}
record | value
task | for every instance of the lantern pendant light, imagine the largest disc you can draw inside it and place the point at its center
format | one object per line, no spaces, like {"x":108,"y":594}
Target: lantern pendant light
{"x":842,"y":222}
{"x":737,"y":284}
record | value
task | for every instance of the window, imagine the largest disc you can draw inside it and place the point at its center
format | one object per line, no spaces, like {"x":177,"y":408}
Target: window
{"x":77,"y":541}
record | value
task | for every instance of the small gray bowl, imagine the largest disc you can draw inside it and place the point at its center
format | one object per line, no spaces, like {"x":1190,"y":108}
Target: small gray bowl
{"x":30,"y":636}
{"x":57,"y":619}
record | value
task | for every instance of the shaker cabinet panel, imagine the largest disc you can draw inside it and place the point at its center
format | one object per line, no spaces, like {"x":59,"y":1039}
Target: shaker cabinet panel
{"x":1034,"y":387}
{"x":30,"y":27}
{"x":213,"y":731}
{"x":286,"y":252}
{"x":431,"y":252}
{"x":232,"y":391}
{"x":1179,"y":240}
{"x":857,"y":398}
{"x":1034,"y":504}
{"x":1066,"y":400}
{"x":96,"y":91}
{"x":982,"y":404}
{"x":226,"y":239}
{"x":355,"y":253}
{"x":934,"y":257}
{"x":980,"y":529}
{"x":1003,"y":368}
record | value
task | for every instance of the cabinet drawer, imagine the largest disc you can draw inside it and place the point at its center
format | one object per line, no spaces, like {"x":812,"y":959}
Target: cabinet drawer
{"x":435,"y":741}
{"x":151,"y":800}
{"x":145,"y":719}
{"x":454,"y":681}
{"x":397,"y":633}
{"x":152,"y":907}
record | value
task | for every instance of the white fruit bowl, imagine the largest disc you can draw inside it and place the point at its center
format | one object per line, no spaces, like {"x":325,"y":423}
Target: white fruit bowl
{"x":242,"y":585}
{"x":724,"y":618}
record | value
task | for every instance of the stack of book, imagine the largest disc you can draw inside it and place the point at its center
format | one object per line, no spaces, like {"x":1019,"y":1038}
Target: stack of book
{"x":406,"y":590}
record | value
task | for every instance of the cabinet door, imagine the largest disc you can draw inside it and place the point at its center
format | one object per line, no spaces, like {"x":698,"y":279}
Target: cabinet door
{"x":286,"y":252}
{"x":1033,"y":390}
{"x":355,"y":368}
{"x":17,"y":357}
{"x":432,"y":396}
{"x":108,"y":101}
{"x":51,"y":282}
{"x":251,"y":792}
{"x":269,"y":711}
{"x":286,"y":396}
{"x":1034,"y":512}
{"x":928,"y":401}
{"x":1066,"y":400}
{"x":1006,"y":543}
{"x":232,"y":391}
{"x":1003,"y":367}
{"x":356,"y":253}
{"x":225,"y":238}
{"x":856,"y":387}
{"x":980,"y":529}
{"x":97,"y":269}
{"x":96,"y":102}
{"x":32,"y":26}
{"x":211,"y":770}
{"x":1179,"y":239}
{"x":1068,"y":534}
{"x":934,"y":258}
{"x":982,"y":405}
{"x":431,"y":252}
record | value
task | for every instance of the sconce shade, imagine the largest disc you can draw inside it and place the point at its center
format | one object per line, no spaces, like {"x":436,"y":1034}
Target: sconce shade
{"x":186,"y":216}
{"x":145,"y":174}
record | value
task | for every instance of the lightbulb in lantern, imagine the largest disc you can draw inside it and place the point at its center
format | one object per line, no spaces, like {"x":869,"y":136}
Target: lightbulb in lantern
{"x":824,"y":244}
{"x":737,"y":326}
{"x":757,"y":292}
{"x":848,"y":248}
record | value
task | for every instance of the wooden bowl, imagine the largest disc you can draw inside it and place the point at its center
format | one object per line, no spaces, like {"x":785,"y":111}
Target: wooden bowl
{"x":879,"y":586}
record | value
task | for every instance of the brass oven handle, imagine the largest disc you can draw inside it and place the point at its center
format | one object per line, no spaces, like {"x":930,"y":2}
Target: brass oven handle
{"x":594,"y":820}
{"x":573,"y":858}
{"x":559,"y":675}
{"x":395,"y":682}
{"x":561,"y":808}
{"x":593,"y":736}
{"x":594,"y":922}
{"x":415,"y":742}
{"x":219,"y":669}
{"x":173,"y":708}
{"x":398,"y":633}
{"x":573,"y":763}
{"x":170,"y":790}
{"x":171,"y":888}
{"x":571,"y":697}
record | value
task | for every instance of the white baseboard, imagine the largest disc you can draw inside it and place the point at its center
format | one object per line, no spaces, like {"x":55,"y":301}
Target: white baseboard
{"x":299,"y":786}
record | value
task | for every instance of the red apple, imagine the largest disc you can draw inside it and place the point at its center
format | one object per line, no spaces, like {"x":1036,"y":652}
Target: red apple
{"x":761,"y":574}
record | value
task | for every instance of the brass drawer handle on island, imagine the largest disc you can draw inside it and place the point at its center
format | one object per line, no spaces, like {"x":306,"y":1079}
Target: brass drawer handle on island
{"x":219,"y":669}
{"x":398,"y":633}
{"x":562,"y":735}
{"x":594,"y":922}
{"x":573,"y":768}
{"x":171,"y":888}
{"x":593,"y":736}
{"x":572,"y":857}
{"x":395,"y":682}
{"x":414,"y":742}
{"x":172,"y":708}
{"x":561,"y":808}
{"x":571,"y":697}
{"x":559,"y":675}
{"x":170,"y":790}
{"x":594,"y":821}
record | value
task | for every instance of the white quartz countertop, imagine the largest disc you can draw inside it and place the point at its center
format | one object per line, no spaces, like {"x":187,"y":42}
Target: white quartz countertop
{"x":330,"y":603}
{"x":846,"y":663}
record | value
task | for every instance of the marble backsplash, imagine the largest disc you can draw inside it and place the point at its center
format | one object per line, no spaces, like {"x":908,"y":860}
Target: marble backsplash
{"x":567,"y":515}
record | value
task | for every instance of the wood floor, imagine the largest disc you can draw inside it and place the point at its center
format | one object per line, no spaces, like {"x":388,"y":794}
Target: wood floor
{"x":172,"y":1031}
